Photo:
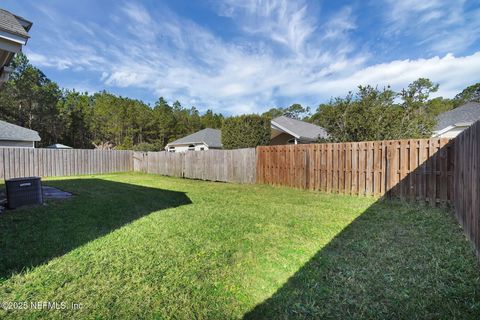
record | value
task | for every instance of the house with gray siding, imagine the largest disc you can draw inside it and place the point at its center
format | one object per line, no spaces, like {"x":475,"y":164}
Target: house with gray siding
{"x":284,"y":131}
{"x":199,"y":141}
{"x":12,"y":135}
{"x":453,"y":122}
{"x":287,"y":130}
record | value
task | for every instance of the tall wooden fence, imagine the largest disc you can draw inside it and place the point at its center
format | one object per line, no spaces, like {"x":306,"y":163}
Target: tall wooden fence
{"x":214,"y":165}
{"x":467,"y":182}
{"x":420,"y":169}
{"x":24,"y":162}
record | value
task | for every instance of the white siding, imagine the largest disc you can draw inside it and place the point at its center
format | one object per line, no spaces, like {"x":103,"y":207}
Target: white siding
{"x":20,"y":144}
{"x":186,"y":147}
{"x":451,"y":133}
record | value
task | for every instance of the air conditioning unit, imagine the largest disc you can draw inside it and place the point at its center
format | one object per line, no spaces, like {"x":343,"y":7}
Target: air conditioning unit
{"x":23,"y":191}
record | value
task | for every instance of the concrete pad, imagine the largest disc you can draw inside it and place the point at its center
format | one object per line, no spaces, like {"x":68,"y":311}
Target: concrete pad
{"x":54,"y":193}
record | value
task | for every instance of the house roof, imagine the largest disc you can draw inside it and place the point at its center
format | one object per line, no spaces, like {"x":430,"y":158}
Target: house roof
{"x":463,"y":115}
{"x":12,"y":132}
{"x":14,"y":24}
{"x":208,"y":136}
{"x":299,"y":129}
{"x":58,"y":146}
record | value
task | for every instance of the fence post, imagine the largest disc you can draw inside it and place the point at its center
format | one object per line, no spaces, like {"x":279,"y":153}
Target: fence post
{"x":306,"y":160}
{"x":2,"y":165}
{"x":389,"y":169}
{"x":182,"y":161}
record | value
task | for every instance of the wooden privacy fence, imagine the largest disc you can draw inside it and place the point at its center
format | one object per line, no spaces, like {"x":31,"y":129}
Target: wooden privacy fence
{"x":214,"y":165}
{"x":419,"y":169}
{"x":24,"y":162}
{"x":467,"y":183}
{"x":438,"y":171}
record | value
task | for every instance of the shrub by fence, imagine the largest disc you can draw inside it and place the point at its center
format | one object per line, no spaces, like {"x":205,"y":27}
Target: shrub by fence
{"x":24,"y":162}
{"x":467,"y":182}
{"x":398,"y":168}
{"x":214,"y":165}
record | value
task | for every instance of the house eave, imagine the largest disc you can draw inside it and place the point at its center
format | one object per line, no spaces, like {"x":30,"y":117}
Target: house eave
{"x":172,"y":144}
{"x":277,"y":126}
{"x":13,"y":37}
{"x":450,"y":127}
{"x":21,"y":139}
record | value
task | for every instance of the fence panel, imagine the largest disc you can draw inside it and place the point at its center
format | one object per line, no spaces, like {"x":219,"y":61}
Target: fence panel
{"x":409,"y":169}
{"x":214,"y":165}
{"x":24,"y":162}
{"x":466,"y":187}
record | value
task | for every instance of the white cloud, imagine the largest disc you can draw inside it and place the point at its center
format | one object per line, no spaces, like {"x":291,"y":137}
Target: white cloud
{"x":38,"y":59}
{"x":283,"y":21}
{"x":452,"y":73}
{"x":179,"y":59}
{"x":443,"y":25}
{"x":340,"y":23}
{"x":143,"y":25}
{"x":138,"y":13}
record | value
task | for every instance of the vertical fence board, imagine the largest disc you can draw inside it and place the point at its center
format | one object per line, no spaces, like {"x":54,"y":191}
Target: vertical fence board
{"x":409,"y":169}
{"x":215,"y":165}
{"x":25,"y":162}
{"x":466,"y":191}
{"x":2,"y":165}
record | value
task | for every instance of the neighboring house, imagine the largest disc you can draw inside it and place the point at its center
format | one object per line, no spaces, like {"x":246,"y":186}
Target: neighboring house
{"x":452,"y":122}
{"x":58,"y":146}
{"x":286,"y":130}
{"x":202,"y":140}
{"x":12,"y":135}
{"x":13,"y":35}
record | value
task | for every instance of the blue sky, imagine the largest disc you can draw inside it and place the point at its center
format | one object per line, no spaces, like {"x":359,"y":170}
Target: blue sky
{"x":246,"y":56}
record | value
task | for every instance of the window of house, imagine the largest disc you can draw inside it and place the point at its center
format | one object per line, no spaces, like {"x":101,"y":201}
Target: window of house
{"x":191,"y":147}
{"x":291,"y":141}
{"x":202,"y":148}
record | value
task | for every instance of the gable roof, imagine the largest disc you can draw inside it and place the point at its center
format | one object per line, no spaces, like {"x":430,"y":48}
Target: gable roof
{"x":464,"y":115}
{"x":211,"y":137}
{"x":58,"y":146}
{"x":299,"y":129}
{"x":12,"y":132}
{"x":14,"y":24}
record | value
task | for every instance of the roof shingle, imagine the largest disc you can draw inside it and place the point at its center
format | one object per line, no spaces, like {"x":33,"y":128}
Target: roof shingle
{"x":467,"y":113}
{"x":12,"y":132}
{"x":9,"y":23}
{"x":211,"y":137}
{"x":301,"y":129}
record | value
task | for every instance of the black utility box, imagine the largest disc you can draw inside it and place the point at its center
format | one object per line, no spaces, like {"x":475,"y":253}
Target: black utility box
{"x":23,"y":191}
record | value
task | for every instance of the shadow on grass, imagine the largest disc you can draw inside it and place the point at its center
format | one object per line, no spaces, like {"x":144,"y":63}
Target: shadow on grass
{"x":34,"y":235}
{"x":394,"y":261}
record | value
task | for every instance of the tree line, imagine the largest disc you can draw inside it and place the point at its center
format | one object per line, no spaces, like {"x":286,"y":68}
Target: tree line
{"x":104,"y":120}
{"x":101,"y":120}
{"x":383,"y":114}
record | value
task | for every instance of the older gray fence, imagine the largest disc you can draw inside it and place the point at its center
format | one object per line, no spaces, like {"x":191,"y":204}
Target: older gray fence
{"x":467,"y":183}
{"x":24,"y":162}
{"x":214,"y":165}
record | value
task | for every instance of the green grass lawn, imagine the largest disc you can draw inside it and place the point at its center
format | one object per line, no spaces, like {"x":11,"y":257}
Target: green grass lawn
{"x":143,"y":246}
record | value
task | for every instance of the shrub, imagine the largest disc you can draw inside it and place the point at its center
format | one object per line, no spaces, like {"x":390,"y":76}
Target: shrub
{"x":127,"y":144}
{"x":247,"y":131}
{"x":145,"y":146}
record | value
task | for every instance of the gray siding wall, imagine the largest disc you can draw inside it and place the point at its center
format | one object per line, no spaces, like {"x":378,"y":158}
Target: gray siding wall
{"x":281,"y":139}
{"x":22,"y":144}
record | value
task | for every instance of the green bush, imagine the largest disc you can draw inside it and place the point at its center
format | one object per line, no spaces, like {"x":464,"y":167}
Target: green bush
{"x":247,"y":131}
{"x":145,"y":146}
